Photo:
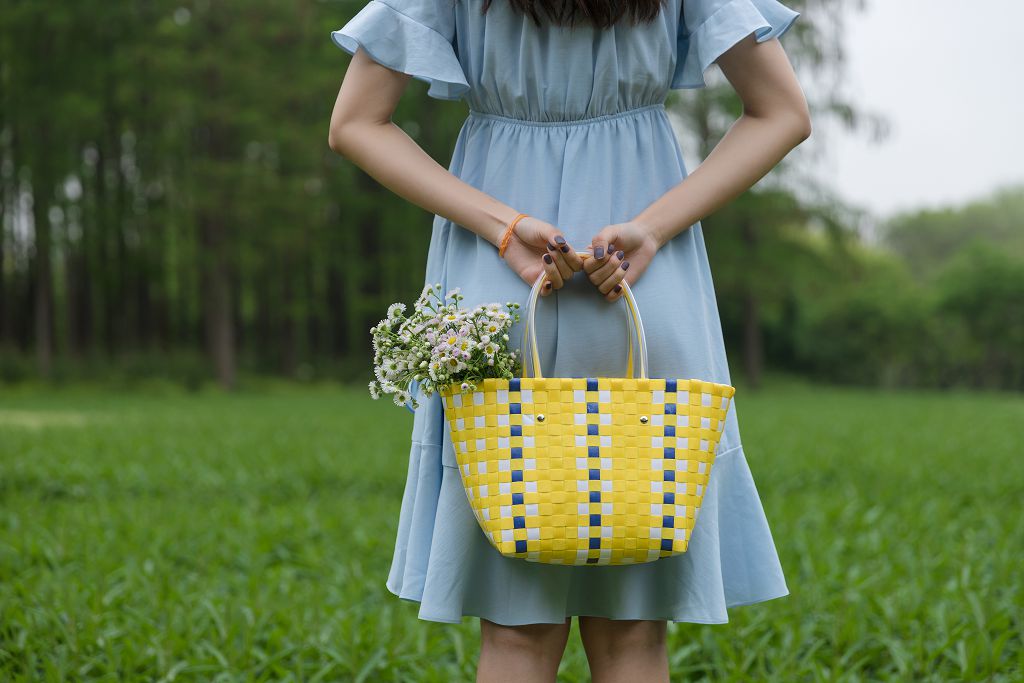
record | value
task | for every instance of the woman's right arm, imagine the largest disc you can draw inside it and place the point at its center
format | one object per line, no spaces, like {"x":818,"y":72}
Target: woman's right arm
{"x":362,"y":131}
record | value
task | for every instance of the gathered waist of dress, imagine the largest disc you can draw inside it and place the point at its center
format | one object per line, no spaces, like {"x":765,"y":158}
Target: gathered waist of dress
{"x":635,"y":111}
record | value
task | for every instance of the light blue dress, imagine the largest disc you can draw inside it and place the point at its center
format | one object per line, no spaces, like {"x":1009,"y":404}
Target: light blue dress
{"x":569,"y":125}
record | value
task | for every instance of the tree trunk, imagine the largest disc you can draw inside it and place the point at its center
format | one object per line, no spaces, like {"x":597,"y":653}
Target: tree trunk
{"x":42,"y":303}
{"x":753,"y":341}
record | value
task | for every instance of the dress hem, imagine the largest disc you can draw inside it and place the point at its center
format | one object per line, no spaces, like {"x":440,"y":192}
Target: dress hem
{"x":678,"y":620}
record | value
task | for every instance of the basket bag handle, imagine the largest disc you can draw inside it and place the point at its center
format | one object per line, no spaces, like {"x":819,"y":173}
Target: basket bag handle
{"x":634,"y":324}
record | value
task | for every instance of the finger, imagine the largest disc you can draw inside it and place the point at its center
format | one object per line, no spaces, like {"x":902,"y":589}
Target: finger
{"x":599,"y":247}
{"x":616,"y":292}
{"x":554,"y":276}
{"x":561,"y":255}
{"x":613,"y":279}
{"x":611,"y":263}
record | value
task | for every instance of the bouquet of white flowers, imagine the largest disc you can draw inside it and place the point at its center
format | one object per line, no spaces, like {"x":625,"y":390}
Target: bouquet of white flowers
{"x":441,"y":344}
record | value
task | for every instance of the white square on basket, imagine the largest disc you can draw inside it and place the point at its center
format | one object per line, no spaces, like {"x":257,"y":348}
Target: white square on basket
{"x":460,"y":424}
{"x":579,"y":396}
{"x":583,"y":509}
{"x":580,"y":418}
{"x":503,"y":419}
{"x":656,"y":486}
{"x":606,"y":484}
{"x":683,"y":398}
{"x":529,"y":463}
{"x":528,"y":442}
{"x":606,"y":418}
{"x":657,"y":396}
{"x":507,"y":535}
{"x":656,"y":509}
{"x":606,"y":441}
{"x":533,"y":534}
{"x":504,"y":466}
{"x":656,"y":442}
{"x":457,"y":400}
{"x":581,"y":439}
{"x":581,"y":555}
{"x":505,"y":487}
{"x":481,"y":444}
{"x":462,"y":447}
{"x":604,"y":396}
{"x":655,"y":463}
{"x":526,"y":396}
{"x":531,"y":486}
{"x":527,"y":419}
{"x":705,"y":422}
{"x":655,"y":532}
{"x":583,"y":532}
{"x":481,"y":466}
{"x":606,"y":508}
{"x":503,"y":442}
{"x":505,"y":511}
{"x":606,"y":532}
{"x":606,"y":553}
{"x":478,"y":398}
{"x":483,"y":490}
{"x":704,"y":445}
{"x":657,"y":419}
{"x":606,"y":463}
{"x":502,"y":395}
{"x":531,"y":509}
{"x":702,"y":467}
{"x":581,"y":464}
{"x":581,"y":484}
{"x":705,"y":400}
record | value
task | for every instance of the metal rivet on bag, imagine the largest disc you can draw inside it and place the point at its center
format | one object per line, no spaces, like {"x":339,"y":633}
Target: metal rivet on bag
{"x":540,"y":417}
{"x":643,"y":419}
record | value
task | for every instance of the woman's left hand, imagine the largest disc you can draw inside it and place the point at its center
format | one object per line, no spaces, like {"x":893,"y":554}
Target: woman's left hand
{"x":621,"y":251}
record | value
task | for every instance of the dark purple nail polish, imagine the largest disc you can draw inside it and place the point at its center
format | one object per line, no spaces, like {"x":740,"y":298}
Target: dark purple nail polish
{"x":599,"y":252}
{"x":620,"y":254}
{"x":625,"y":265}
{"x":547,"y":258}
{"x":565,"y":248}
{"x":559,"y":239}
{"x":617,"y":289}
{"x":547,"y":285}
{"x":551,"y":246}
{"x":611,"y":248}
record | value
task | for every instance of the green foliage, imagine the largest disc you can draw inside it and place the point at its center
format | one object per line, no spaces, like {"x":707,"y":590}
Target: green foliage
{"x":199,"y":537}
{"x":865,"y":329}
{"x":964,"y":327}
{"x":929,"y":239}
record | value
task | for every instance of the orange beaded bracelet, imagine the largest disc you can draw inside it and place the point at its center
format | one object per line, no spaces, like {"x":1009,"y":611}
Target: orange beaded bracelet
{"x":505,"y":238}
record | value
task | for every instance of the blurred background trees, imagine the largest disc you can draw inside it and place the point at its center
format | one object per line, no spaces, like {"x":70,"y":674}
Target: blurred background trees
{"x":170,"y":207}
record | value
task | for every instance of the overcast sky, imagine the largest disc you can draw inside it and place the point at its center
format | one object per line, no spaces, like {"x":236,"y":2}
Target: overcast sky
{"x":948,"y":77}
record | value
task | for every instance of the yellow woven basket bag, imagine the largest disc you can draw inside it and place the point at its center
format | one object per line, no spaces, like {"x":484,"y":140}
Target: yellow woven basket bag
{"x":586,"y":470}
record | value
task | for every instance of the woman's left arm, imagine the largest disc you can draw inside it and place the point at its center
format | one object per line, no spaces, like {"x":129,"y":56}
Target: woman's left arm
{"x":775,"y":120}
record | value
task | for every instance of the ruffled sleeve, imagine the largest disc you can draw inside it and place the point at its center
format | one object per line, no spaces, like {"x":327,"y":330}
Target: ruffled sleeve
{"x":416,"y":37}
{"x":707,"y":28}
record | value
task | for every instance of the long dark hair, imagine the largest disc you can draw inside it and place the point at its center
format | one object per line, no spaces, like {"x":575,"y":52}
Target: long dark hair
{"x":600,"y":13}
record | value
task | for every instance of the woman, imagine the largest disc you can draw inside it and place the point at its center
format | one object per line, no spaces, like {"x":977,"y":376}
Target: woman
{"x":567,"y":125}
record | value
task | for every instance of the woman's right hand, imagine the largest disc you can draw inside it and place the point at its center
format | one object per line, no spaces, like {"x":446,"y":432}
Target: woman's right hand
{"x":538,"y":246}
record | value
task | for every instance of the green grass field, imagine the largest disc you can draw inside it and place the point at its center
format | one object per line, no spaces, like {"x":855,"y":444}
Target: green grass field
{"x":185,"y":537}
